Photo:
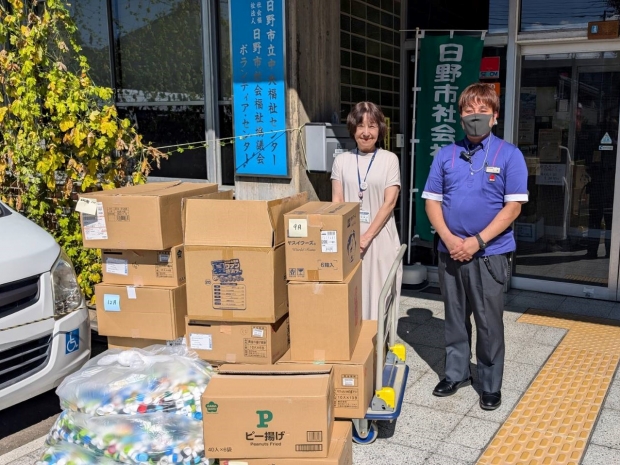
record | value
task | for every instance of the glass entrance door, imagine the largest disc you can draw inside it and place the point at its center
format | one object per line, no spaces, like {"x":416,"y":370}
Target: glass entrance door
{"x":568,"y":132}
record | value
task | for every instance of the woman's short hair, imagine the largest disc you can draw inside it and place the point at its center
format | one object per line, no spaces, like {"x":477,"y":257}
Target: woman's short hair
{"x":479,"y":92}
{"x":356,"y":116}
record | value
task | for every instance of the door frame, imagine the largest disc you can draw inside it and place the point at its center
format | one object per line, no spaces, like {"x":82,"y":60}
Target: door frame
{"x":546,"y":46}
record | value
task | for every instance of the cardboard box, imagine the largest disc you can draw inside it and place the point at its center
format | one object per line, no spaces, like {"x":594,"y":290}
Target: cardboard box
{"x":141,"y":312}
{"x":125,"y":343}
{"x":237,"y":342}
{"x":340,"y":451}
{"x":353,"y":380}
{"x":144,"y":267}
{"x":236,"y":284}
{"x":240,"y":223}
{"x":322,"y":241}
{"x":325,"y":318}
{"x":271,"y":411}
{"x":141,"y":217}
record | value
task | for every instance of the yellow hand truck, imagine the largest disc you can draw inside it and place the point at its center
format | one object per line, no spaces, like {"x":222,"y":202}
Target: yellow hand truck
{"x":391,"y":371}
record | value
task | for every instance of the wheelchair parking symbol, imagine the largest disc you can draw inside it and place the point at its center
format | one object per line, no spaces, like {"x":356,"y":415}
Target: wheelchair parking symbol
{"x":72,"y":341}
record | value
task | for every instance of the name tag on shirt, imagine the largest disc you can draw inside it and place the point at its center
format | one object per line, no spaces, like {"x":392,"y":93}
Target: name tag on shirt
{"x":493,"y":169}
{"x":364,"y":216}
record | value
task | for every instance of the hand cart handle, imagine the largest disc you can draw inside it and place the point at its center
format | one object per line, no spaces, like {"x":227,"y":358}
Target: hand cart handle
{"x":387,"y":323}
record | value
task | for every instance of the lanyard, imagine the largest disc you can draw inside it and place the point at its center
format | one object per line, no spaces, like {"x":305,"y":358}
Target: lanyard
{"x":362,"y":184}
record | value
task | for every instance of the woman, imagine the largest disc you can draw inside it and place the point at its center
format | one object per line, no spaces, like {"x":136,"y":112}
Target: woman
{"x":371,"y":176}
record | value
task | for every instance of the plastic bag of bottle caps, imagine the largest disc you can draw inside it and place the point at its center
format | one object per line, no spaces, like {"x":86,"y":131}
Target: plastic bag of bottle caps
{"x":70,"y":454}
{"x":156,"y":379}
{"x":152,"y":438}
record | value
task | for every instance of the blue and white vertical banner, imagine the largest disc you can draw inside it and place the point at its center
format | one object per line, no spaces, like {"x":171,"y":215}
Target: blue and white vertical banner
{"x":258,"y":45}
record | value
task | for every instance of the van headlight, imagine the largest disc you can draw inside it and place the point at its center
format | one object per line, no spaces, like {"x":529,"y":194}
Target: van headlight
{"x":67,"y":293}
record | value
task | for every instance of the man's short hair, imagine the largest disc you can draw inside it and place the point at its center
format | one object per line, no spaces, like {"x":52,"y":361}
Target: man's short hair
{"x":479,"y":92}
{"x":356,"y":116}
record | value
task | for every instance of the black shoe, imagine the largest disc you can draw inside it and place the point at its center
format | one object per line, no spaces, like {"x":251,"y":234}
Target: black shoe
{"x":446,"y":388}
{"x":490,"y":400}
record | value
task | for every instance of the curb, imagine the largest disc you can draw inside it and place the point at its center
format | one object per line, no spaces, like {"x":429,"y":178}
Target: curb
{"x":22,"y":451}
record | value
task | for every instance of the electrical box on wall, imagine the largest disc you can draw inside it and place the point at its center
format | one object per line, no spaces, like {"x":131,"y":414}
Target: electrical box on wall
{"x":323,"y":143}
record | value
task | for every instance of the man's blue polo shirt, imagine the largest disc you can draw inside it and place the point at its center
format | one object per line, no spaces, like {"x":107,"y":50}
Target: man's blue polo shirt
{"x":472,"y":194}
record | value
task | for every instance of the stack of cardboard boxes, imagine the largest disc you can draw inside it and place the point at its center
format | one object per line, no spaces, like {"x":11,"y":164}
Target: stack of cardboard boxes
{"x":325,"y":301}
{"x":142,"y":299}
{"x":268,"y":291}
{"x":236,"y":279}
{"x":285,"y":414}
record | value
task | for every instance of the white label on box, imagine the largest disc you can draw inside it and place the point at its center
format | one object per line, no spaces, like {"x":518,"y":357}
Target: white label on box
{"x":349,"y":382}
{"x":163,"y":257}
{"x":329,"y":242}
{"x":297,"y":228}
{"x":94,"y":225}
{"x":258,"y":332}
{"x":200,"y":341}
{"x":131,"y":292}
{"x":88,"y":206}
{"x":117,"y":266}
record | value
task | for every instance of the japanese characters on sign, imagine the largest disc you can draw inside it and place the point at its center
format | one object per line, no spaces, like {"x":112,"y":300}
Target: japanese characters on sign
{"x":259,"y":87}
{"x":447,"y":65}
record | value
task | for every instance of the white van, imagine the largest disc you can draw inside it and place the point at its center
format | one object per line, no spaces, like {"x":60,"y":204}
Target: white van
{"x":44,"y":322}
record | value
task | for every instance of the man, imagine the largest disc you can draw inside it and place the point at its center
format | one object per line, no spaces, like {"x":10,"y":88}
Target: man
{"x":473,"y":194}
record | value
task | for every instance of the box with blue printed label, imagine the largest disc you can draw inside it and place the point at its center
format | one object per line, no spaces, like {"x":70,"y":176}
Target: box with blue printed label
{"x":236,"y":284}
{"x":141,"y":312}
{"x":322,"y":241}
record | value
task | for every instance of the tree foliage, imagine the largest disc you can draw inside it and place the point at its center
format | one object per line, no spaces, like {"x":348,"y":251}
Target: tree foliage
{"x":61,"y":134}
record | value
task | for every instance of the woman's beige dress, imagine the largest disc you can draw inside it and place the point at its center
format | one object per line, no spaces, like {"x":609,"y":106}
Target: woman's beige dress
{"x":378,"y":259}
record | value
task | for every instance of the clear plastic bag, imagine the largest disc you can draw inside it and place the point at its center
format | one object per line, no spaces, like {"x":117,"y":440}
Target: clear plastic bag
{"x":155,"y":379}
{"x":65,"y":453}
{"x":152,"y":438}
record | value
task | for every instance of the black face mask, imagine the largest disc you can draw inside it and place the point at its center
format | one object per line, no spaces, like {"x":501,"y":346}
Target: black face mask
{"x":477,"y":124}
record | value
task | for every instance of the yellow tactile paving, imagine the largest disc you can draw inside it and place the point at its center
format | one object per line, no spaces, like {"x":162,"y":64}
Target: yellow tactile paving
{"x":553,"y":421}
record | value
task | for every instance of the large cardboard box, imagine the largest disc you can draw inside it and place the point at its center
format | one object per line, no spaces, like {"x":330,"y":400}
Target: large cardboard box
{"x":323,"y":241}
{"x":144,"y":267}
{"x":325,"y":318}
{"x":219,"y":342}
{"x":353,"y":380}
{"x":271,"y":411}
{"x":236,"y":284}
{"x":141,"y":217}
{"x":340,"y":451}
{"x":237,"y":223}
{"x":141,"y":312}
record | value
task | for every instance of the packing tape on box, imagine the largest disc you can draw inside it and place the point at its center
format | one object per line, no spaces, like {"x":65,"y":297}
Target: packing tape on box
{"x":226,"y":329}
{"x":319,"y":356}
{"x":227,"y":253}
{"x":135,"y":333}
{"x":315,"y":221}
{"x":313,"y":275}
{"x":228,"y":315}
{"x":317,"y":289}
{"x":231,"y":358}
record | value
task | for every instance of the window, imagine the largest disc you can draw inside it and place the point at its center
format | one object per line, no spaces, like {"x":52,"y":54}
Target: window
{"x":498,"y":16}
{"x":158,"y":48}
{"x":539,"y":15}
